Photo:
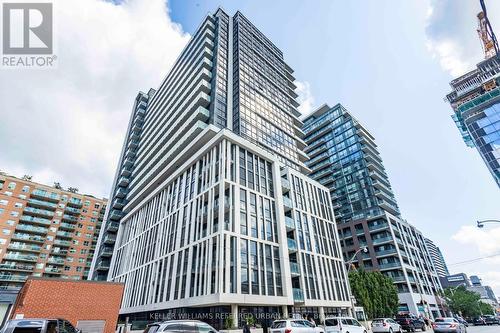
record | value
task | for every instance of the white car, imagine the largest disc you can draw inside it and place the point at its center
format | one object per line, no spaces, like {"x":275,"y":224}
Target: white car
{"x":385,"y":325}
{"x":343,"y":325}
{"x":295,"y":326}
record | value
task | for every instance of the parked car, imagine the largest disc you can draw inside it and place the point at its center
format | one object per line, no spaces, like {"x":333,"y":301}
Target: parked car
{"x":385,"y":325}
{"x":410,"y":322}
{"x":39,"y":325}
{"x":180,"y":326}
{"x":491,"y":320}
{"x":479,"y":321}
{"x":462,"y":321}
{"x":448,"y":325}
{"x":295,"y":326}
{"x":343,"y":325}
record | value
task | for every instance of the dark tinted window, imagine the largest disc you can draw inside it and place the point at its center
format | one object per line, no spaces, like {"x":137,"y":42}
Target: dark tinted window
{"x":151,"y":329}
{"x":444,"y":320}
{"x":25,"y":326}
{"x":378,"y":321}
{"x":204,"y":328}
{"x":66,"y":327}
{"x":186,"y":327}
{"x":52,"y":326}
{"x":278,"y":324}
{"x":331,"y":322}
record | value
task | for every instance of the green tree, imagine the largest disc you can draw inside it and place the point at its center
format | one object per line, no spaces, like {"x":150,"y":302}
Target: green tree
{"x":462,"y":301}
{"x":486,"y":309}
{"x":375,"y":292}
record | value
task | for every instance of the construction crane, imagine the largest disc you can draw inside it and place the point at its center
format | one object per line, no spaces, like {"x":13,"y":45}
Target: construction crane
{"x":486,"y":34}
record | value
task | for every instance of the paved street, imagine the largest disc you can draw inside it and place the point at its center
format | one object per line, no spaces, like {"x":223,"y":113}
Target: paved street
{"x":483,"y":329}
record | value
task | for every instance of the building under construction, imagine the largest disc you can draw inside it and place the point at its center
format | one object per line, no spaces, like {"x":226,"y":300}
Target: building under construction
{"x":475,"y":100}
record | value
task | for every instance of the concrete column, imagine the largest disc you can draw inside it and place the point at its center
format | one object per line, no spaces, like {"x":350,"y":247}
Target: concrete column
{"x":321,"y":315}
{"x":284,"y":308}
{"x":234,"y":314}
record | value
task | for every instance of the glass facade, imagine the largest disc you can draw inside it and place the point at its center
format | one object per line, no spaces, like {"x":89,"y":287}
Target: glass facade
{"x":344,"y":157}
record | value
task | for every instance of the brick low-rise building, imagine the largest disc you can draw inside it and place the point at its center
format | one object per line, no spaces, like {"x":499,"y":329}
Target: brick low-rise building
{"x":45,"y":231}
{"x":89,"y":305}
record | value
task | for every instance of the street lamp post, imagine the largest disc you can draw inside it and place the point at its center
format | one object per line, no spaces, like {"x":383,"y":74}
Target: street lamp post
{"x":480,"y":224}
{"x":349,"y":264}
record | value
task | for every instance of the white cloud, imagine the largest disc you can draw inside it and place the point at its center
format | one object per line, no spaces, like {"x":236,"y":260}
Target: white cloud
{"x":451,"y":33}
{"x":306,"y":98}
{"x":486,"y":240}
{"x":67,"y":124}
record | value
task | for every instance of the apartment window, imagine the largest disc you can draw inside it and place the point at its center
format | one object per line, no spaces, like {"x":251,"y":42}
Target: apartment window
{"x":83,"y":251}
{"x":1,"y":210}
{"x":18,"y":205}
{"x":4,"y":202}
{"x":96,"y":206}
{"x":67,"y":268}
{"x":3,"y":241}
{"x":22,"y":196}
{"x":244,"y":266}
{"x":10,"y":222}
{"x":79,"y":269}
{"x":8,"y":193}
{"x":87,"y":203}
{"x":26,"y":189}
{"x":86,"y":243}
{"x":14,"y":214}
{"x":12,"y":185}
{"x":6,"y":231}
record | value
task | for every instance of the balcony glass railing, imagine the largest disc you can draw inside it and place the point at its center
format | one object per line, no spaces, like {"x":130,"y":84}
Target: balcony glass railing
{"x":298,"y":295}
{"x":289,"y":222}
{"x":37,"y":220}
{"x":36,"y":202}
{"x":38,"y":211}
{"x":55,"y":260}
{"x":389,"y":265}
{"x":13,"y":277}
{"x":61,"y":242}
{"x":18,"y":267}
{"x":22,"y":257}
{"x":287,"y":202}
{"x":292,"y":244}
{"x":29,"y":238}
{"x":381,"y":239}
{"x":378,"y":226}
{"x":25,"y":247}
{"x":52,"y":270}
{"x":29,"y":228}
{"x":72,"y":210}
{"x":67,"y":217}
{"x":67,"y":226}
{"x":46,"y":195}
{"x":294,"y":268}
{"x":64,"y":234}
{"x":385,"y":252}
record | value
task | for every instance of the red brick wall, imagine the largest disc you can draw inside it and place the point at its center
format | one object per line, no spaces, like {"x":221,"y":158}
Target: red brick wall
{"x":70,"y":300}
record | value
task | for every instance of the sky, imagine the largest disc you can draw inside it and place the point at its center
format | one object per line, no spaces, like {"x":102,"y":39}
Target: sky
{"x":388,"y":62}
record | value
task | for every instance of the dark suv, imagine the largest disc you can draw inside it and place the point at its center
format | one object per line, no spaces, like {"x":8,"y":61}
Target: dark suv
{"x":39,"y":325}
{"x":410,"y":322}
{"x":491,"y":320}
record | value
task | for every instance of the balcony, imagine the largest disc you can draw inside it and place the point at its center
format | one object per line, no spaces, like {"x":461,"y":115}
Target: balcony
{"x":62,"y":243}
{"x":287,"y":203}
{"x":389,"y":265}
{"x":28,"y":238}
{"x":381,"y":240}
{"x":128,"y":162}
{"x":112,"y":226}
{"x":75,"y":202}
{"x":109,"y":239}
{"x":289,"y":223}
{"x":67,"y":226}
{"x":55,"y":261}
{"x":38,"y":212}
{"x":42,"y":204}
{"x":292,"y":245}
{"x":294,"y":269}
{"x":58,"y":252}
{"x":35,"y":220}
{"x":388,"y":207}
{"x":123,"y":181}
{"x":102,"y":265}
{"x":42,"y":194}
{"x":13,"y":277}
{"x":31,"y":229}
{"x":385,"y":252}
{"x":17,"y":267}
{"x":69,"y":218}
{"x":53,"y":270}
{"x":21,"y":257}
{"x":298,"y":295}
{"x":115,"y":215}
{"x":24,"y":247}
{"x":64,"y":234}
{"x":119,"y":203}
{"x":106,"y":251}
{"x":71,"y":210}
{"x":126,"y":172}
{"x":121,"y":193}
{"x":285,"y":185}
{"x":380,"y":226}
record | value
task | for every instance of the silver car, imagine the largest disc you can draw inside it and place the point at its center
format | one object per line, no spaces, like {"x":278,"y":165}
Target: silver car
{"x":180,"y":326}
{"x":385,"y":325}
{"x":448,"y":325}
